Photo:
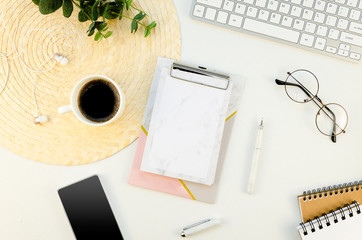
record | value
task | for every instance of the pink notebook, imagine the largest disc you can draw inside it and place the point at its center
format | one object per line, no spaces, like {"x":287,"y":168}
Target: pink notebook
{"x":176,"y":186}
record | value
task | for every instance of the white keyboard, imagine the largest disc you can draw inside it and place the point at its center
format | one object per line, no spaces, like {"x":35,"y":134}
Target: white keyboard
{"x":331,"y":27}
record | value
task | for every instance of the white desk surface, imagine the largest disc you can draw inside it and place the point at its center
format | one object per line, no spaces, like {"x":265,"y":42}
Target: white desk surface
{"x":295,"y":156}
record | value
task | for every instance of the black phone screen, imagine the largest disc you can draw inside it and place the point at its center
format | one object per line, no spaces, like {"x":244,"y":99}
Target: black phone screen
{"x":88,"y":210}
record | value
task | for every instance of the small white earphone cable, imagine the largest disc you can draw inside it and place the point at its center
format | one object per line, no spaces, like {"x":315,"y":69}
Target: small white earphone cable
{"x":38,"y":119}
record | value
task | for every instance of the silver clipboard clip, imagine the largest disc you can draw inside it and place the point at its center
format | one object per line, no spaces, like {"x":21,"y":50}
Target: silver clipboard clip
{"x":199,"y":71}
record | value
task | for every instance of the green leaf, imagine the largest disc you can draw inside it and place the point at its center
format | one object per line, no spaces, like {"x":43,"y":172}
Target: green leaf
{"x":95,"y":11}
{"x":91,"y":32}
{"x":134,"y":26}
{"x":108,"y":34}
{"x":101,"y":26}
{"x":104,"y":14}
{"x":82,"y":17}
{"x":140,"y":16}
{"x":36,"y":2}
{"x":147,"y":32}
{"x":97,"y":36}
{"x":92,"y":27}
{"x":81,"y":4}
{"x":67,"y":8}
{"x":128,"y":3}
{"x":88,"y":10}
{"x":112,"y":11}
{"x":120,"y":5}
{"x":152,"y":25}
{"x":49,"y":6}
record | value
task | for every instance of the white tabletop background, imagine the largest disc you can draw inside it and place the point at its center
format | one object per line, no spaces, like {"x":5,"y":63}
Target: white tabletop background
{"x":295,"y":156}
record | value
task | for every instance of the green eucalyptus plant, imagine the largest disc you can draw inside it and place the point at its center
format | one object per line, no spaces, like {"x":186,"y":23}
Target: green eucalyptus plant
{"x":98,"y":12}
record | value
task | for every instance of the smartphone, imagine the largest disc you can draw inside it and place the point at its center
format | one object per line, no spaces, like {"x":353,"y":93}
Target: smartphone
{"x":88,"y":210}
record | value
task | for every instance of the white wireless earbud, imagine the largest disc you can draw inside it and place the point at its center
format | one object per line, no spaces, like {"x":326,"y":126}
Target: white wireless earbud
{"x":60,"y":59}
{"x":40,"y":119}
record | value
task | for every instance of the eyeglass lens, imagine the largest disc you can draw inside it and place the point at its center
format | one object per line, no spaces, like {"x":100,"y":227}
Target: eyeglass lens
{"x":331,"y":119}
{"x":301,"y":86}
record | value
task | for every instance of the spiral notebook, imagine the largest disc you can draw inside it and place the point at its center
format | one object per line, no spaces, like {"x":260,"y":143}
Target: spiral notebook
{"x":314,"y":203}
{"x":342,"y":224}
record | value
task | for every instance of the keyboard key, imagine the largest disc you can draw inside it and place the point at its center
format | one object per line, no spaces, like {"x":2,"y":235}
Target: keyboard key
{"x":351,"y":38}
{"x":240,"y":8}
{"x":211,"y":3}
{"x":275,"y":18}
{"x":355,"y":14}
{"x":298,"y":24}
{"x":322,"y":31}
{"x":340,"y":1}
{"x":343,"y":11}
{"x":307,"y":14}
{"x":296,"y":1}
{"x":310,"y":27}
{"x":271,"y":30}
{"x":331,"y":21}
{"x":222,"y":17}
{"x":228,"y":5}
{"x":308,"y":3}
{"x":352,"y":3}
{"x":249,"y":1}
{"x":343,"y":53}
{"x":263,"y":15}
{"x":320,"y":43}
{"x":320,"y":5}
{"x":356,"y":27}
{"x":333,"y":34}
{"x":331,"y":49}
{"x":342,"y":23}
{"x":260,"y":3}
{"x":355,"y":56}
{"x":296,"y":11}
{"x":272,"y":5}
{"x":199,"y":11}
{"x":331,"y":8}
{"x":344,"y":47}
{"x":235,"y":20}
{"x":284,"y":8}
{"x":210,"y":14}
{"x":319,"y":17}
{"x":307,"y":40}
{"x":287,"y":21}
{"x":251,"y":12}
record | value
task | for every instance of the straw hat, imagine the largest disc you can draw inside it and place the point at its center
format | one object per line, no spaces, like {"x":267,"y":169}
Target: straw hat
{"x":127,"y":58}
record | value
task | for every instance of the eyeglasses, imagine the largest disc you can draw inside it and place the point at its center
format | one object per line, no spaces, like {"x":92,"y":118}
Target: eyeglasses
{"x":302,"y":86}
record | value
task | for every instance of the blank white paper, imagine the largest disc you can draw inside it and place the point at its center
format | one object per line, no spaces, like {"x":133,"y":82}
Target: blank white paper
{"x":185,"y":130}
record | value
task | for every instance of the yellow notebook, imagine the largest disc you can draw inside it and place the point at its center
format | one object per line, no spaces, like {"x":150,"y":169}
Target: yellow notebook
{"x":315,"y":203}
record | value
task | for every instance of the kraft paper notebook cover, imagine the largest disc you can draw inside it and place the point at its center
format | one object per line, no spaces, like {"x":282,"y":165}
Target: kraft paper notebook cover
{"x":171,"y":185}
{"x":316,"y":202}
{"x":342,"y":224}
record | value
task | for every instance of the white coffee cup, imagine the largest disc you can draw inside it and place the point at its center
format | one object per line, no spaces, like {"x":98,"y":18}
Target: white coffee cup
{"x":75,"y":105}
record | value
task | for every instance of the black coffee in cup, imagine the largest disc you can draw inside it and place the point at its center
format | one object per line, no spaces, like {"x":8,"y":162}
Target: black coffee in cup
{"x":99,"y":100}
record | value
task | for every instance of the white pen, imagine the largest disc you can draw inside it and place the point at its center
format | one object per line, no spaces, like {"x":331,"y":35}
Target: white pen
{"x":256,"y":155}
{"x":196,"y":227}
